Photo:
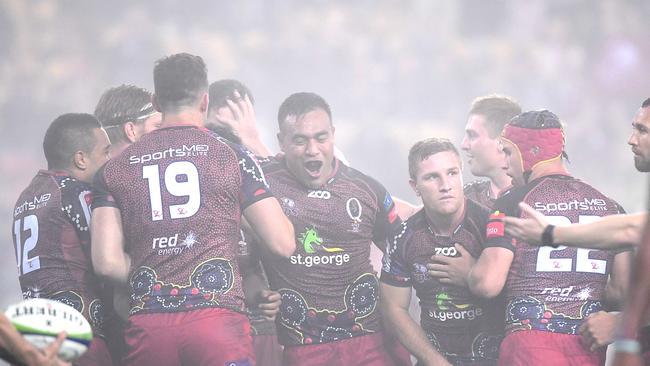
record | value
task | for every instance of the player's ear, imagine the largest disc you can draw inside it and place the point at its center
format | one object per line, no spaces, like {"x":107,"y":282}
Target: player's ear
{"x":79,"y":160}
{"x":129,"y":131}
{"x":205,"y":102}
{"x":414,"y":187}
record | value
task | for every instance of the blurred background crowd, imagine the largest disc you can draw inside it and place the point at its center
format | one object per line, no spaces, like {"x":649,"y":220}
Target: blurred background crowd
{"x":393,"y":71}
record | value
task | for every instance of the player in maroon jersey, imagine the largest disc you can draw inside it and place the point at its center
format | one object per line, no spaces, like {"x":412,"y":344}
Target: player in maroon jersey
{"x":126,"y":113}
{"x":550,"y":291}
{"x":487,"y":116}
{"x":456,"y":327}
{"x":329,"y":290}
{"x":231,"y":102}
{"x":167,"y":222}
{"x":50,"y":227}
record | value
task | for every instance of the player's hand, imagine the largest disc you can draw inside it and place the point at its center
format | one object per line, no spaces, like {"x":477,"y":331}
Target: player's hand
{"x":529,"y":229}
{"x":452,"y":270}
{"x":48,"y":355}
{"x":269,"y":304}
{"x":243,"y":121}
{"x":598,"y":329}
{"x":627,"y":359}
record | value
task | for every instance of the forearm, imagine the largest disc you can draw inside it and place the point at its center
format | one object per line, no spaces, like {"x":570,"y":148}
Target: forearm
{"x":254,"y":143}
{"x":617,"y":231}
{"x":637,"y":300}
{"x":15,"y":345}
{"x":411,"y":335}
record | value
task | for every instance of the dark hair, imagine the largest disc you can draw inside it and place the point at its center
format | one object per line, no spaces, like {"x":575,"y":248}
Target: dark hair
{"x":646,"y":103}
{"x":222,"y":90}
{"x":66,"y":135}
{"x":425,"y":148}
{"x":179,"y":80}
{"x":497,"y":109}
{"x":225,"y":131}
{"x":298,"y":104}
{"x":119,"y":105}
{"x":538,"y":120}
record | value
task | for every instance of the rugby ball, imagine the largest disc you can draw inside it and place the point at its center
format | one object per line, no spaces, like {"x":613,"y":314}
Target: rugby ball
{"x":41,"y":320}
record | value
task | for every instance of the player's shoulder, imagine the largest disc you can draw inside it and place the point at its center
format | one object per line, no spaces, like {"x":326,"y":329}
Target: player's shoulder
{"x":364,"y":180}
{"x":476,"y":186}
{"x":509,"y":199}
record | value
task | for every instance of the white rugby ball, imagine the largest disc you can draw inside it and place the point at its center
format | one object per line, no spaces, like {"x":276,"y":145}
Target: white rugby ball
{"x":41,"y":320}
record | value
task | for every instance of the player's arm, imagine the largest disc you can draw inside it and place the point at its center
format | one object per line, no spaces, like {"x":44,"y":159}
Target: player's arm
{"x":488,"y":275}
{"x":107,"y":243}
{"x":14,"y":348}
{"x":452,"y":270}
{"x":405,"y":209}
{"x":636,"y":305}
{"x":395,"y":312}
{"x":619,"y":279}
{"x":610,"y":232}
{"x":270,"y":224}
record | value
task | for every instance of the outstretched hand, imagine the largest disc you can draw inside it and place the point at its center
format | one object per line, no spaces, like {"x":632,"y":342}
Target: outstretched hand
{"x":269,"y":304}
{"x":529,"y":229}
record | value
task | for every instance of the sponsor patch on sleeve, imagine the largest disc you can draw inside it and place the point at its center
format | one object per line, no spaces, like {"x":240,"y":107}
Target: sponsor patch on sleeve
{"x":495,"y":226}
{"x":388,"y":201}
{"x":392,"y":215}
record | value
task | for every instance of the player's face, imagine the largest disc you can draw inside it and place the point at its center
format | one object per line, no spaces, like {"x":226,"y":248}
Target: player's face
{"x":513,"y":164}
{"x":99,"y":155}
{"x":150,"y":123}
{"x":440,"y":183}
{"x":308,"y":145}
{"x":640,"y":140}
{"x":484,"y":154}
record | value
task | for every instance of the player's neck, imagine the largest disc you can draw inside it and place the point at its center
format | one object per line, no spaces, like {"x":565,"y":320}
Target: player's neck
{"x":553,"y":167}
{"x":499,"y":182}
{"x":444,"y":225}
{"x":183,"y":118}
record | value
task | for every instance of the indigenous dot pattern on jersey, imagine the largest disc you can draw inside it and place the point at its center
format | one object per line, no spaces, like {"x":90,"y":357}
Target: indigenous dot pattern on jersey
{"x":328,"y":286}
{"x":460,"y":325}
{"x":183,"y":254}
{"x":53,"y":214}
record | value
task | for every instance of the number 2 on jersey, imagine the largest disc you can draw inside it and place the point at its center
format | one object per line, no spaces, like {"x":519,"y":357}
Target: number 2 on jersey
{"x":583,"y":263}
{"x":188,"y":188}
{"x":26,"y":264}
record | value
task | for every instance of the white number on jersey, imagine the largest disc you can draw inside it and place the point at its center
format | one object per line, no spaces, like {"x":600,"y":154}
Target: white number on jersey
{"x":24,"y":262}
{"x":189,"y":188}
{"x":583,"y":263}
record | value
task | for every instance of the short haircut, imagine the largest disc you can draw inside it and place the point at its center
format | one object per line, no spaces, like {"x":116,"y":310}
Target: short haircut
{"x":66,"y":135}
{"x":179,"y":81}
{"x":299,"y":104}
{"x":646,"y":103}
{"x":121,"y":104}
{"x":222,"y":90}
{"x":427,"y":147}
{"x":497,"y":109}
{"x":226,"y":132}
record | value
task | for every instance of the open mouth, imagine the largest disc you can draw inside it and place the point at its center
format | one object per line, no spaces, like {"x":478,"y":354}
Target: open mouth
{"x":313,"y":166}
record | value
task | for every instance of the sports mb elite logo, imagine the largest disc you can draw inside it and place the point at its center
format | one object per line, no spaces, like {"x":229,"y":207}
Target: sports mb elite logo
{"x":586,"y":204}
{"x":313,"y":245}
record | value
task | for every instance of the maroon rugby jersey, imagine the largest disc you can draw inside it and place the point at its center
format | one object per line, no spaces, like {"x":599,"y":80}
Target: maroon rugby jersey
{"x":553,"y":289}
{"x":464,"y":328}
{"x":329,"y":288}
{"x":479,"y":191}
{"x":181,"y":191}
{"x":52,"y":244}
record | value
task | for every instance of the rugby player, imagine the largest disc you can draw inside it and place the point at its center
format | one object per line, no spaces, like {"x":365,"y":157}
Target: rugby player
{"x":126,"y":113}
{"x":611,"y":232}
{"x":487,"y":116}
{"x":329,"y":313}
{"x":50,"y":228}
{"x":167,"y":222}
{"x":457,"y":327}
{"x":549,"y":290}
{"x":227,"y":109}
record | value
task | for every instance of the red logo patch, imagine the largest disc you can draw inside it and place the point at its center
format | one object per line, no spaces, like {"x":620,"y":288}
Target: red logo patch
{"x":259,"y":191}
{"x":392,"y":215}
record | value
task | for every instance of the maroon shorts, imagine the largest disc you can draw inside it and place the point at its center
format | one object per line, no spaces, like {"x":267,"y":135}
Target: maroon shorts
{"x":211,"y":336}
{"x":365,"y":350}
{"x":533,"y":347}
{"x":399,"y":354}
{"x":96,"y":355}
{"x":268,"y":352}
